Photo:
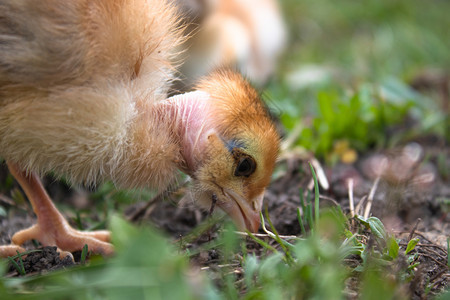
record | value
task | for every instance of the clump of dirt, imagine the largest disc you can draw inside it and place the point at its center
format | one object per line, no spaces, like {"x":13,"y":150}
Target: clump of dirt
{"x":42,"y":260}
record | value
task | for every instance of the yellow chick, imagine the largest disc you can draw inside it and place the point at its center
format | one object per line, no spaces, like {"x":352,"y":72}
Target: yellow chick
{"x":83,"y":93}
{"x":248,"y":35}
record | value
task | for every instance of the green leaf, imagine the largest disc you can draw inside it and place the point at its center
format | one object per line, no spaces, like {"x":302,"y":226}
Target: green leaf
{"x":377,"y":227}
{"x":363,"y":221}
{"x":300,"y":221}
{"x":411,"y":245}
{"x":326,"y":101}
{"x":393,"y":247}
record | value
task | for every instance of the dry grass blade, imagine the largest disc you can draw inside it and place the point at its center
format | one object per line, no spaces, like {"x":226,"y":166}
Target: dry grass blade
{"x":350,"y":197}
{"x":414,"y":229}
{"x":6,"y":200}
{"x":292,"y":137}
{"x":329,"y":199}
{"x":264,"y":235}
{"x":149,"y":206}
{"x":358,"y":209}
{"x":320,"y":173}
{"x":370,"y":198}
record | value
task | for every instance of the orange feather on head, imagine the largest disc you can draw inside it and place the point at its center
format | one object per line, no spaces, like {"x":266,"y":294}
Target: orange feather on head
{"x":242,"y":148}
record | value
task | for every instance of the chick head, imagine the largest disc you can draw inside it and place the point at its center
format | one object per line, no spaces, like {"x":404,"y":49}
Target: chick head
{"x":237,"y":151}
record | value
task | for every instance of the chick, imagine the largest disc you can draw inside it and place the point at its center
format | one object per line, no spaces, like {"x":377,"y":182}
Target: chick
{"x":248,"y":35}
{"x":83,"y":93}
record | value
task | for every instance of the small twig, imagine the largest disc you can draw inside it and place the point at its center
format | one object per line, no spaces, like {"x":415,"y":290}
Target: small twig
{"x":350,"y":197}
{"x":138,"y":214}
{"x":262,"y":243}
{"x":370,"y":198}
{"x":414,"y":229}
{"x":150,"y":210}
{"x":418,"y":233}
{"x":213,"y":204}
{"x":329,"y":199}
{"x":422,"y":235}
{"x":7,"y":200}
{"x":238,"y":272}
{"x":221,"y":266}
{"x":437,"y":275}
{"x":287,"y":237}
{"x":426,"y":245}
{"x":360,"y":203}
{"x":443,"y":257}
{"x":435,"y":284}
{"x":434,"y":259}
{"x":211,"y":210}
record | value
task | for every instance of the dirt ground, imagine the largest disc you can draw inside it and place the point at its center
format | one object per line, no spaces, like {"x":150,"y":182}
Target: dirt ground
{"x":410,"y":188}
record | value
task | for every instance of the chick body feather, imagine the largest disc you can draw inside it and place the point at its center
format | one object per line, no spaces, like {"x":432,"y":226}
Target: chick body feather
{"x":79,"y":82}
{"x":83,"y":93}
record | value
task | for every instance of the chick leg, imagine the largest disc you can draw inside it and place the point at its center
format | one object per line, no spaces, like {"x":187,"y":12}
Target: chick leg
{"x":51,"y":228}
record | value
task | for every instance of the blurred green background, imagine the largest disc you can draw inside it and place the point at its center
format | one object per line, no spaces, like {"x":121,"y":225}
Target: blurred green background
{"x":368,"y":40}
{"x":349,"y":67}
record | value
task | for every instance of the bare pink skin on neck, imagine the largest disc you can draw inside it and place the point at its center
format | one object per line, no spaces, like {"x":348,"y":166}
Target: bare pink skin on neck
{"x":190,"y":112}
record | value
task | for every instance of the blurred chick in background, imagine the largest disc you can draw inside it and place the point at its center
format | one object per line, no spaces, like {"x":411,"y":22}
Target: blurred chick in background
{"x":83,"y":93}
{"x":248,"y":35}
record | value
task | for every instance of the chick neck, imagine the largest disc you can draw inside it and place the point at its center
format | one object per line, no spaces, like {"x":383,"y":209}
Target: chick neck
{"x":191,"y":115}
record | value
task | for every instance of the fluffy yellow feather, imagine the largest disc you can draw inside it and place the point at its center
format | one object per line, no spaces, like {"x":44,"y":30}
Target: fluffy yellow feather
{"x":83,"y":93}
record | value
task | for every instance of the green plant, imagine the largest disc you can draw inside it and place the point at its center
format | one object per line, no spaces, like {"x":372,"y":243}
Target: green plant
{"x":18,"y":266}
{"x":147,"y":266}
{"x":365,"y":118}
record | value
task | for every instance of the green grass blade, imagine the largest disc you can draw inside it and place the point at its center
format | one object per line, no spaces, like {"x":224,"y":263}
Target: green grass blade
{"x":16,"y":266}
{"x":84,"y":253}
{"x":262,"y":243}
{"x":300,"y":221}
{"x":316,"y":196}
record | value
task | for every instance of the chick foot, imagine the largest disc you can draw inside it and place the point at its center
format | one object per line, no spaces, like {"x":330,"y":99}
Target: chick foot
{"x":10,"y":250}
{"x":51,"y":228}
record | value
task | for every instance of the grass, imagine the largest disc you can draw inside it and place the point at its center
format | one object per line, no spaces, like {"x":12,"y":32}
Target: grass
{"x":316,"y":266}
{"x":345,"y":74}
{"x":370,"y":39}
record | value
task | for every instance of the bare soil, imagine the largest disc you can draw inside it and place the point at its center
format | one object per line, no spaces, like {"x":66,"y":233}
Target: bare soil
{"x":411,"y":198}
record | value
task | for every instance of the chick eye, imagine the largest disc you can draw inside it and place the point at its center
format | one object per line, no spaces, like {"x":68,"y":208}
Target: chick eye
{"x":245,"y":167}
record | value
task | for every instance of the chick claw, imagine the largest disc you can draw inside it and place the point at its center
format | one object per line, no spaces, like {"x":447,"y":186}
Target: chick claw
{"x":10,"y":250}
{"x":65,"y":238}
{"x":51,"y":228}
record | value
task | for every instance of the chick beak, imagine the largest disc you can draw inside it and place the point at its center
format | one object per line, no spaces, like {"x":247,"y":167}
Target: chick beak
{"x":244,"y":213}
